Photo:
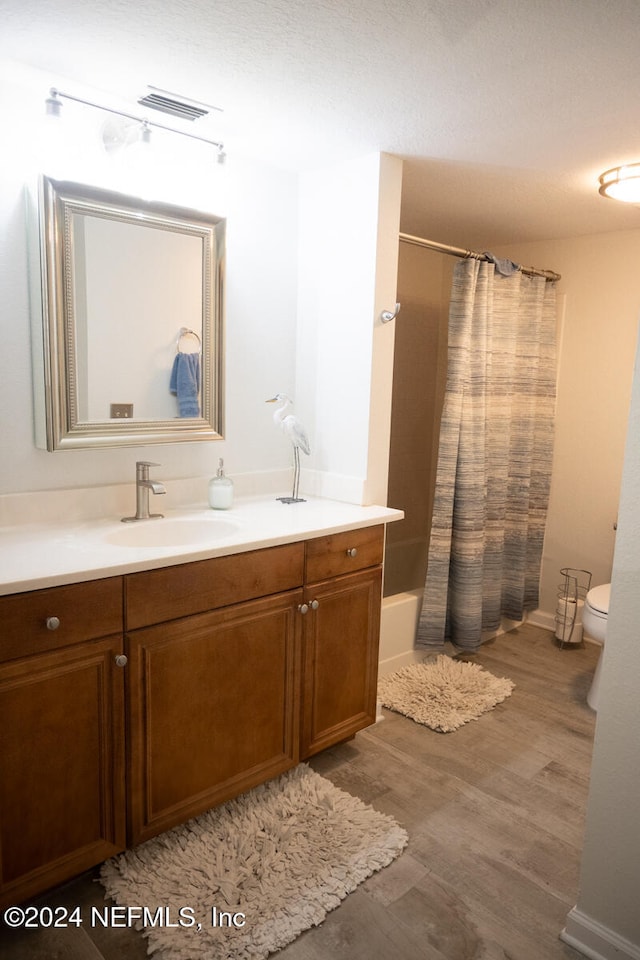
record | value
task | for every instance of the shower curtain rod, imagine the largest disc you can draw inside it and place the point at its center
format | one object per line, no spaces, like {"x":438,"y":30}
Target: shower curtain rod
{"x":549,"y":275}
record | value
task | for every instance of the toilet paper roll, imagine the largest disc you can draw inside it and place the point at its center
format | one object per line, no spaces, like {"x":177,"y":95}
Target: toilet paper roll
{"x":576,"y":636}
{"x":569,"y":620}
{"x":569,"y":609}
{"x":567,"y":635}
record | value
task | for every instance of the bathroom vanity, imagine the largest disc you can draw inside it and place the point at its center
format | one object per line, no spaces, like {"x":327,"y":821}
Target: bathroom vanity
{"x":132,"y":702}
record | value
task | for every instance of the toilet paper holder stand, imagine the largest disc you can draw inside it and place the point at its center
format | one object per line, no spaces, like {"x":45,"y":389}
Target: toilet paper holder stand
{"x":572,"y":593}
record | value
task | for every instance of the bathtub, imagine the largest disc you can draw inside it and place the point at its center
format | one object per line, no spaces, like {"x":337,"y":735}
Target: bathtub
{"x":398,"y":622}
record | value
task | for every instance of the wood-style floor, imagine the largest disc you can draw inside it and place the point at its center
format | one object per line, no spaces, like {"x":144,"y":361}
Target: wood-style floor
{"x":495,"y":816}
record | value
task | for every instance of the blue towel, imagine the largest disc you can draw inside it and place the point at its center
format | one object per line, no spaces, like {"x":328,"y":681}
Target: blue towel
{"x":506,"y":268}
{"x":185,"y":383}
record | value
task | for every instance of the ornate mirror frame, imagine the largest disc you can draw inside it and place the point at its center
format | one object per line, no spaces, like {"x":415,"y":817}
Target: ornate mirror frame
{"x":56,"y":337}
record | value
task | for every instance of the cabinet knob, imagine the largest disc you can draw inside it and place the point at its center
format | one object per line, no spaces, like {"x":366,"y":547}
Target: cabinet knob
{"x":121,"y":660}
{"x":303,"y":607}
{"x":352,"y":552}
{"x":52,"y":623}
{"x":315,"y":604}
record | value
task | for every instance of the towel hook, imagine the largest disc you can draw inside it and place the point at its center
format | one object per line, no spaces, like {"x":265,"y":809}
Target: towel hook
{"x":187,"y":332}
{"x":386,"y":316}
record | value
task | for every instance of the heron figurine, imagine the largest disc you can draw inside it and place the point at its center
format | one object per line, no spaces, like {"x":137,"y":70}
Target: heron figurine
{"x":298,"y":437}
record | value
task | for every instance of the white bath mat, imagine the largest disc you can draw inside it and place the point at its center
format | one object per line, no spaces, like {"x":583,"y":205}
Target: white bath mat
{"x":255,"y":872}
{"x":443,"y":694}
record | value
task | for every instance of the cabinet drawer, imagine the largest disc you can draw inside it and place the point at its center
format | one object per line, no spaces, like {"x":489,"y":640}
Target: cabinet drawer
{"x":84,"y":610}
{"x":179,"y":591}
{"x":343,"y":553}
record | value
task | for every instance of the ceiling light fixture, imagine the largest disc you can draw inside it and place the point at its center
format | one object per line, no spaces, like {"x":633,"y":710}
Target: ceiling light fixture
{"x":621,"y":183}
{"x":54,"y":108}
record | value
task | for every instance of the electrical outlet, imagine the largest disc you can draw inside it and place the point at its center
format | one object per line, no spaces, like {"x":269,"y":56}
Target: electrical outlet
{"x":121,"y":411}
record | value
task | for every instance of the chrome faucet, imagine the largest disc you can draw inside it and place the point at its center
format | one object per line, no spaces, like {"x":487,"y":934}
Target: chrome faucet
{"x":143,"y":485}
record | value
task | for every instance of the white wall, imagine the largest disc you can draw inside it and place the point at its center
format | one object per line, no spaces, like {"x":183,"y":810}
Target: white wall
{"x":606,"y":918}
{"x":349,"y":217}
{"x":600,"y":287}
{"x":386,"y":284}
{"x":261,"y":295}
{"x":309,"y":267}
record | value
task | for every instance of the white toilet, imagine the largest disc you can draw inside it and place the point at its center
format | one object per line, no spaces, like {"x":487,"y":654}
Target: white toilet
{"x":594,"y":622}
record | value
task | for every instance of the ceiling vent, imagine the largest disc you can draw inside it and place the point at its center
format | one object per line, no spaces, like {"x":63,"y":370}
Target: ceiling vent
{"x":174,"y":105}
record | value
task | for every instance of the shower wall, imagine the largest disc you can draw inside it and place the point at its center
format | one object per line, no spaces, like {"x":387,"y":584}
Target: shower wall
{"x":419,"y":377}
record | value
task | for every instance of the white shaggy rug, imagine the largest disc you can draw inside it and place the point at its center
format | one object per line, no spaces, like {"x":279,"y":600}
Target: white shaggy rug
{"x":443,"y":693}
{"x":255,"y":872}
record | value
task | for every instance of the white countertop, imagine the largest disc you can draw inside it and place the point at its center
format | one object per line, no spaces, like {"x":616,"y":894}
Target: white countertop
{"x":48,"y":555}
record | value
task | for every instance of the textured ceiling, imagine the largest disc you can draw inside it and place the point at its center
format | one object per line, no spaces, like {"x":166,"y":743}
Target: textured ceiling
{"x":505,"y":111}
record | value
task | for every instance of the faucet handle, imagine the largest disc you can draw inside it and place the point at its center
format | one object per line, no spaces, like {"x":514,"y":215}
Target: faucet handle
{"x":142,"y":469}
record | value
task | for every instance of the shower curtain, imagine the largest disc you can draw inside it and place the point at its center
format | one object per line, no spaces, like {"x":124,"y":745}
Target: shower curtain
{"x":494,"y":461}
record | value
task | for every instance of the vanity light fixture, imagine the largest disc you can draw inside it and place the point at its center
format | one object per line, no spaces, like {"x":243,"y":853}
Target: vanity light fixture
{"x":53,"y":105}
{"x":118,"y":133}
{"x":621,"y":183}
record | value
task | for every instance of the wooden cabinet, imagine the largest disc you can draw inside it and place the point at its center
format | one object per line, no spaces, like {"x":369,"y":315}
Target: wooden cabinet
{"x":340,"y":637}
{"x":236,"y":668}
{"x":61,"y":735}
{"x":214,"y":696}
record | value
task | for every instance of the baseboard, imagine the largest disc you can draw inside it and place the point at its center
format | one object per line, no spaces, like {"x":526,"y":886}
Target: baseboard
{"x":540,"y":618}
{"x":595,"y":940}
{"x":505,"y":627}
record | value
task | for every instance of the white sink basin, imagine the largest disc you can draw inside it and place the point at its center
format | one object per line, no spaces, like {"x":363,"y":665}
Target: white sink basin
{"x":170,"y":532}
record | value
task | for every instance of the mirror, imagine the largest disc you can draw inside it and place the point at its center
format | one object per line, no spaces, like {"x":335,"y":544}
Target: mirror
{"x":132,"y":319}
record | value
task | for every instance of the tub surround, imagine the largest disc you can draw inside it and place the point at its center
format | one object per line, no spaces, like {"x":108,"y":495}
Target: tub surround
{"x":398,"y":624}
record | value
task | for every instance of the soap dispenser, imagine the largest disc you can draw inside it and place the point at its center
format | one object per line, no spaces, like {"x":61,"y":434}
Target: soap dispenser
{"x":220,"y":489}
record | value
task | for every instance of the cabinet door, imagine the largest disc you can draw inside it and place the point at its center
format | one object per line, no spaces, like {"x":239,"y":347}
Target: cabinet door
{"x":62,"y":805}
{"x":213,"y":708}
{"x":340,"y":658}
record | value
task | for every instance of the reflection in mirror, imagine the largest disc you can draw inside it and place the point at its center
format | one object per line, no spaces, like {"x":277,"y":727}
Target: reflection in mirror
{"x":132,"y":297}
{"x":135,"y":310}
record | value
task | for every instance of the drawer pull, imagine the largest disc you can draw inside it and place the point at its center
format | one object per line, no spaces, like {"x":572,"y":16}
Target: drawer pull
{"x":315,"y":604}
{"x":121,"y":660}
{"x":53,"y":623}
{"x":352,"y":552}
{"x":303,"y":608}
